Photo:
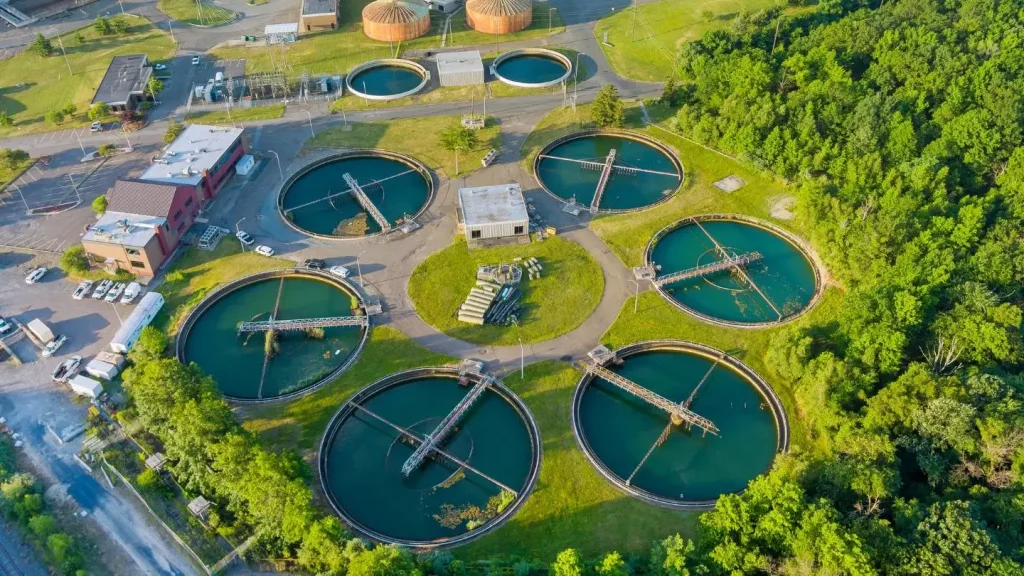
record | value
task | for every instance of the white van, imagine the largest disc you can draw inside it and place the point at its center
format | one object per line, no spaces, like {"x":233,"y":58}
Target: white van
{"x":131,"y":293}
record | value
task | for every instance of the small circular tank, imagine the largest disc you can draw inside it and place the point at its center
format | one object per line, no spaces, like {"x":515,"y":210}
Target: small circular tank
{"x":395,"y":20}
{"x":499,"y":16}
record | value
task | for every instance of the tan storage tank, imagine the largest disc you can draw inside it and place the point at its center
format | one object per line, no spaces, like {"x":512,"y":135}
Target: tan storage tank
{"x":499,"y":16}
{"x":395,"y":20}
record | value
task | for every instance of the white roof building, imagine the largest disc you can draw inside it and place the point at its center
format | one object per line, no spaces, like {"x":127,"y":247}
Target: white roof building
{"x":86,"y":386}
{"x":134,"y":230}
{"x":493,"y":212}
{"x":194,"y":153}
{"x":460,"y":68}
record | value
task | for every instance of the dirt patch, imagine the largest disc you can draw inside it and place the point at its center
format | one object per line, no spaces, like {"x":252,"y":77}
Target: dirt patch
{"x":781,"y":207}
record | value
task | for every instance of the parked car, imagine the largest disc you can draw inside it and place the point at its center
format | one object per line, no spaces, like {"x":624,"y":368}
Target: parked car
{"x":195,"y":60}
{"x":101,"y":290}
{"x":314,"y":264}
{"x":115,"y":292}
{"x":244,"y":238}
{"x":159,"y":67}
{"x":82,"y":290}
{"x":54,"y":345}
{"x":131,"y":293}
{"x":96,"y":126}
{"x":264,"y":250}
{"x":66,"y":369}
{"x":35,"y":275}
{"x":339,"y":271}
{"x":5,"y":326}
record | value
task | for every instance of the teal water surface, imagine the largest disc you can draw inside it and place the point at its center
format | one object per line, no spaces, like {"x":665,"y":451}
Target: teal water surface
{"x":531,"y":69}
{"x":386,"y":80}
{"x":620,"y":428}
{"x":624,"y":191}
{"x":364,"y":460}
{"x":235,"y":362}
{"x":402,"y":195}
{"x":784,"y":275}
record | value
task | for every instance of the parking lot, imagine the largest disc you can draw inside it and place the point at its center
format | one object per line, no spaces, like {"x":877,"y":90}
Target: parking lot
{"x":47,"y":185}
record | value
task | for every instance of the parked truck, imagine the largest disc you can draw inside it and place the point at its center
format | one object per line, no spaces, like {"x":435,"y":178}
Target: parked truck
{"x":143,"y":314}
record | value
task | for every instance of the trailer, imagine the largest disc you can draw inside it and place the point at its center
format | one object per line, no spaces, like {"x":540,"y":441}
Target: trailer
{"x":85,"y":386}
{"x":40,"y":330}
{"x":102,"y":370}
{"x":143,"y":314}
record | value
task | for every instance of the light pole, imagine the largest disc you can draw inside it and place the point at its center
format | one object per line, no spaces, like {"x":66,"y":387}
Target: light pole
{"x":279,"y":170}
{"x":576,"y":77}
{"x":237,"y":231}
{"x":171,"y":30}
{"x":636,"y":294}
{"x":74,"y":187}
{"x":118,"y":314}
{"x":522,"y":351}
{"x":79,"y":138}
{"x":310,"y":123}
{"x":359,"y":269}
{"x":125,"y":132}
{"x":61,"y":42}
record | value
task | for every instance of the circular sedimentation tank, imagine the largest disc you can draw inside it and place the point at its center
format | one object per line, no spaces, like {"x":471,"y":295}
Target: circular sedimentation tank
{"x":441,"y":502}
{"x":499,"y":16}
{"x":779,"y":285}
{"x":395,"y":20}
{"x":532,"y":68}
{"x":643,"y":173}
{"x":300,"y":361}
{"x":386,"y":79}
{"x":638,"y":448}
{"x":317,"y":200}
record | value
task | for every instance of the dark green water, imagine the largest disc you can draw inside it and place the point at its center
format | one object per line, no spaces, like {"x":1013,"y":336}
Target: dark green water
{"x":236,"y":366}
{"x":567,"y":179}
{"x":620,"y":428}
{"x":784,"y":275}
{"x":395,"y":198}
{"x":531,"y":69}
{"x":386,"y":80}
{"x":364,"y":460}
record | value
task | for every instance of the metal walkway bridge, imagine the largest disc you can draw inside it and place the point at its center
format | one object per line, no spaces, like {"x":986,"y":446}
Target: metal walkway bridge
{"x":677,"y":411}
{"x":367,"y":205}
{"x":302,"y":323}
{"x":728,"y":263}
{"x":329,"y":197}
{"x":444,"y":429}
{"x":602,"y":183}
{"x":617,"y":168}
{"x":725,"y":254}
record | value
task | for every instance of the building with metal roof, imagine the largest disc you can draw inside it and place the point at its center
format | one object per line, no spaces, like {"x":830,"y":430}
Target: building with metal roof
{"x":460,"y":68}
{"x":318,"y":15}
{"x":489,"y":212}
{"x":281,"y":33}
{"x":124,"y":84}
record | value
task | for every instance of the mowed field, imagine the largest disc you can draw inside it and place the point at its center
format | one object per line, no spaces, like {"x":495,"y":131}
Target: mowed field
{"x":31,"y":85}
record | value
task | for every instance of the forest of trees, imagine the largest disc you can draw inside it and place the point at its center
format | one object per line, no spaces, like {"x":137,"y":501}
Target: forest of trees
{"x":900,"y":129}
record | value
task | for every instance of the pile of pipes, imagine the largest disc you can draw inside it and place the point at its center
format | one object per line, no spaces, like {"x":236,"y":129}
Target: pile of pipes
{"x":505,"y":306}
{"x":533,"y":268}
{"x":478,"y":302}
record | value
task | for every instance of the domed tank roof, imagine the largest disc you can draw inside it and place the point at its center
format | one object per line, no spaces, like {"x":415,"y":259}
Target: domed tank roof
{"x":395,"y":12}
{"x":500,"y":7}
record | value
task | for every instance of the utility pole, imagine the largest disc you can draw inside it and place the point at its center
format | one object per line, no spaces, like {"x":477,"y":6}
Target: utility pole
{"x":171,"y":30}
{"x":632,"y":32}
{"x":636,"y":294}
{"x":61,"y":42}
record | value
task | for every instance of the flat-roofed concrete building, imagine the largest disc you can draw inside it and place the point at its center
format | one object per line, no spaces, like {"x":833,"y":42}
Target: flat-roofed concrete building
{"x":130,"y":242}
{"x":202,"y":157}
{"x":493,"y":212}
{"x":124,"y":84}
{"x":318,"y":15}
{"x":460,"y":68}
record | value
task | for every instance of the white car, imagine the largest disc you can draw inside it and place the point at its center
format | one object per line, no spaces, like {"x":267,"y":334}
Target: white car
{"x":82,"y":290}
{"x":339,"y":271}
{"x":66,"y":369}
{"x":195,"y":60}
{"x":5,"y":326}
{"x":264,"y":250}
{"x":101,"y":290}
{"x":35,"y":275}
{"x":54,"y":345}
{"x":115,"y":292}
{"x":244,"y":238}
{"x":159,"y":67}
{"x":96,"y":126}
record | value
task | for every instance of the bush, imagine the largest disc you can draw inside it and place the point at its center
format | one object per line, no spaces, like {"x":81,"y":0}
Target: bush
{"x":54,"y":116}
{"x":148,"y":481}
{"x":5,"y":118}
{"x":120,"y":25}
{"x":174,"y":129}
{"x":105,"y":150}
{"x":74,"y":260}
{"x":175,"y":276}
{"x":98,"y":110}
{"x":99,"y":204}
{"x":69,"y":109}
{"x":40,"y":46}
{"x":102,"y":26}
{"x":10,"y":158}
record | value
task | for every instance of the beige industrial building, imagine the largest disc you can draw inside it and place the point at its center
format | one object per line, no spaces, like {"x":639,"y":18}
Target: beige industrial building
{"x":488,"y":213}
{"x":318,"y":15}
{"x":396,"y":20}
{"x":499,"y":16}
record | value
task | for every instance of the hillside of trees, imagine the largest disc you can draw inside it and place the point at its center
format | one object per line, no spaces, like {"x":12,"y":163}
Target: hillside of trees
{"x":901,"y":130}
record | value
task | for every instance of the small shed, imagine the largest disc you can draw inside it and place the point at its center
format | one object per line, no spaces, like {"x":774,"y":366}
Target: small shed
{"x":156,"y":461}
{"x":199,"y":507}
{"x":489,"y":212}
{"x":281,"y":33}
{"x":318,"y":15}
{"x":460,"y":68}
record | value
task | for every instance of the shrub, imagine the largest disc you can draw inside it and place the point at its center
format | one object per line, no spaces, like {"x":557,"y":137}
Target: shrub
{"x":74,"y":259}
{"x":69,"y":109}
{"x":99,"y":204}
{"x":102,"y":25}
{"x":174,"y":129}
{"x":5,"y":118}
{"x":54,"y":116}
{"x":120,"y":25}
{"x":98,"y":110}
{"x":106,"y":150}
{"x":148,"y":480}
{"x":175,"y":276}
{"x":41,"y":46}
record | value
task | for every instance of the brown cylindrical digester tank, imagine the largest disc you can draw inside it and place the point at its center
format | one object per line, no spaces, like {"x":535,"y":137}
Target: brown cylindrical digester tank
{"x":499,"y":16}
{"x":395,"y":20}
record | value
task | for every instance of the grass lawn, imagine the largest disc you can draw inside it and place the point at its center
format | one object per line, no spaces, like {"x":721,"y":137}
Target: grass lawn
{"x":336,"y":51}
{"x":569,"y":289}
{"x":188,"y":12}
{"x":8,"y":173}
{"x":572,"y":505}
{"x":31,"y":86}
{"x":417,"y":137}
{"x":238,"y":115}
{"x":300,"y":424}
{"x":648,"y":52}
{"x":196,"y":272}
